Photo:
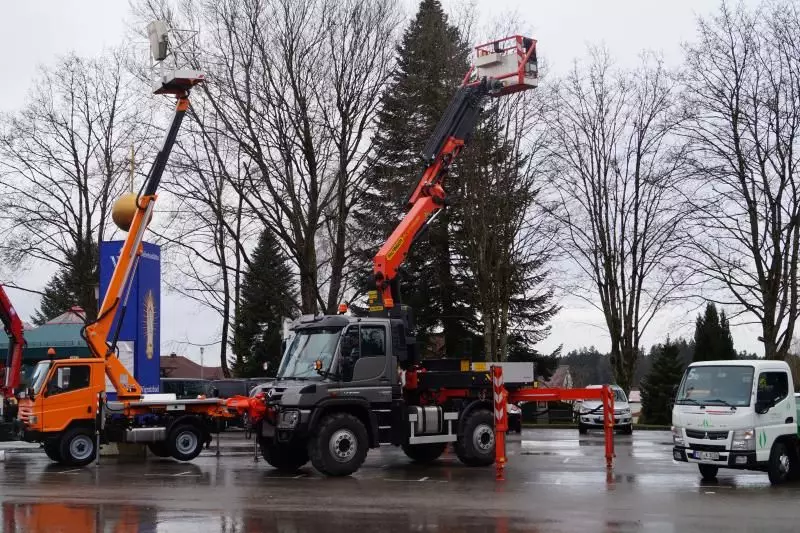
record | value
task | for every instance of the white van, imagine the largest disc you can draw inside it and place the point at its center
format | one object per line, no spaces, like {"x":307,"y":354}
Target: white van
{"x":737,"y":414}
{"x":590,"y":412}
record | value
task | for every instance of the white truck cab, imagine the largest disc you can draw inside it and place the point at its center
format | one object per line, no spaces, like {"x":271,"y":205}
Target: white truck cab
{"x":737,"y":414}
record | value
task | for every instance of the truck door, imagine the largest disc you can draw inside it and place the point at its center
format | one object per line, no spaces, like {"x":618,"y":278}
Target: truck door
{"x":364,"y":354}
{"x":776,"y":416}
{"x":367,"y":369}
{"x":68,"y":396}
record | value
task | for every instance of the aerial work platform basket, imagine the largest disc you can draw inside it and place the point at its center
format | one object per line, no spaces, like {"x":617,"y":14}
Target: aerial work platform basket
{"x":511,"y":61}
{"x":171,"y":49}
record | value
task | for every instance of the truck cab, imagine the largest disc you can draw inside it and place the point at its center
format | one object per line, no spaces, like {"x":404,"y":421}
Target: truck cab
{"x":738,"y":415}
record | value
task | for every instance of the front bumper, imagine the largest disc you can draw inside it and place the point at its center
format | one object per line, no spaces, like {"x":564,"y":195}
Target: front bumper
{"x":726,"y":458}
{"x":596,"y":420}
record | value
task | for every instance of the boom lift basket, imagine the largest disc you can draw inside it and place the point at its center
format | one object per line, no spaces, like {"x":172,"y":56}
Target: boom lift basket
{"x":511,"y":60}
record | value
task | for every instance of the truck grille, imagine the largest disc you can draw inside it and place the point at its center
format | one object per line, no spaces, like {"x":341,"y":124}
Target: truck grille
{"x":707,"y":435}
{"x":707,"y":447}
{"x":277,"y":393}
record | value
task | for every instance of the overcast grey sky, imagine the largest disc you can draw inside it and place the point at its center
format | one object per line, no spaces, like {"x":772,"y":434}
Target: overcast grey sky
{"x":35,"y":33}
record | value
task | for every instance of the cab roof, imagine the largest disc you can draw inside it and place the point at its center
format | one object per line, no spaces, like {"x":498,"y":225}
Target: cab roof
{"x":757,"y":363}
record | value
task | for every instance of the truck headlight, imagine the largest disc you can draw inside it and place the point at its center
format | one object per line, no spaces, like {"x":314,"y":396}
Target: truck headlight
{"x":677,"y":437}
{"x":289,"y":419}
{"x":744,"y":440}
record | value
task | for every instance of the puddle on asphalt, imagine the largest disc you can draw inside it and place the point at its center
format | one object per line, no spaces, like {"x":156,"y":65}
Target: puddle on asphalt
{"x":64,"y":518}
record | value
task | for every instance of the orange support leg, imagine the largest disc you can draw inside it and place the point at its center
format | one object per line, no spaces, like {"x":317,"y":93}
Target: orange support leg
{"x":608,"y":424}
{"x":500,"y":421}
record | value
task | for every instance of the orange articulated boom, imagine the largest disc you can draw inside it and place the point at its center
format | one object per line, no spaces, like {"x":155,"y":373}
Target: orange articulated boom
{"x":450,"y":137}
{"x":99,"y":332}
{"x":501,"y":67}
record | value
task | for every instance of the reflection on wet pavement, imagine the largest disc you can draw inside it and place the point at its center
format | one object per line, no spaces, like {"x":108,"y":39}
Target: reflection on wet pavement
{"x":555,"y":483}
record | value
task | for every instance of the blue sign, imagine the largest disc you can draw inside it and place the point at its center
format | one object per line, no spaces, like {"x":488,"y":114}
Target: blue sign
{"x":140,"y":334}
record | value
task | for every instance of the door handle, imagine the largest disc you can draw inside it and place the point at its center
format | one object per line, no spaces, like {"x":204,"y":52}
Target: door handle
{"x":789,"y":420}
{"x":89,"y":409}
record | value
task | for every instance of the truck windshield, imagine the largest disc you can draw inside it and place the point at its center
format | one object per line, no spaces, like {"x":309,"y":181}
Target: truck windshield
{"x":716,"y":385}
{"x":39,"y":376}
{"x":306,"y":347}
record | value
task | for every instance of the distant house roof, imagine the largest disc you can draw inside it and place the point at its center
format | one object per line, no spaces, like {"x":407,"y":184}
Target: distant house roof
{"x":561,"y":378}
{"x":178,"y":366}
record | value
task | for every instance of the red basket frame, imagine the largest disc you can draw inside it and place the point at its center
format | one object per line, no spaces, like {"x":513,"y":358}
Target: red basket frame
{"x":512,"y":42}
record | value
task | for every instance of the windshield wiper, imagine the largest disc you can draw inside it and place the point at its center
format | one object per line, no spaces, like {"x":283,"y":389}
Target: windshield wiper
{"x":683,"y":400}
{"x":723,"y":402}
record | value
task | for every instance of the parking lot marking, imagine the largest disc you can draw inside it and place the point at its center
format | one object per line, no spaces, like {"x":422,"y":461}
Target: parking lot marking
{"x":71,"y":471}
{"x":565,"y":460}
{"x":426,"y":478}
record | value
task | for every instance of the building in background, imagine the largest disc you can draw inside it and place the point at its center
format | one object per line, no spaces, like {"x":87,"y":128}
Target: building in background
{"x":178,"y":366}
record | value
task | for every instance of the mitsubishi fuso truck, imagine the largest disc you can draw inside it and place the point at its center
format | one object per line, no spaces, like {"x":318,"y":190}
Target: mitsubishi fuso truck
{"x":739,"y":415}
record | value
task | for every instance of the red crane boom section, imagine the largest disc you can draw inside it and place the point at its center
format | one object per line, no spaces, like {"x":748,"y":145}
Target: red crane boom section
{"x":16,"y":343}
{"x":427,"y":199}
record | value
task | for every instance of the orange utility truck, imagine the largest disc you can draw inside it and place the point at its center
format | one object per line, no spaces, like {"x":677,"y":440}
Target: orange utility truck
{"x":66,"y":408}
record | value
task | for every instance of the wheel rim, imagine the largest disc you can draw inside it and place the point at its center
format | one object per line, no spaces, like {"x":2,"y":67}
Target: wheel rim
{"x":81,"y":447}
{"x":483,"y":438}
{"x":784,"y":464}
{"x":343,"y":445}
{"x":186,"y":442}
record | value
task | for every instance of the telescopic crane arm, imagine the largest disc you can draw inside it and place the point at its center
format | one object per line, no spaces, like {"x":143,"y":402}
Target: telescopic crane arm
{"x":16,"y":343}
{"x":504,"y":66}
{"x":102,"y":342}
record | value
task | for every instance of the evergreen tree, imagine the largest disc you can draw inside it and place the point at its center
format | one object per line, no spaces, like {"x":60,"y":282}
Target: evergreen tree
{"x":72,"y":285}
{"x":267,"y":297}
{"x":712,"y":336}
{"x":431,"y":61}
{"x":56,"y":299}
{"x":658,"y":388}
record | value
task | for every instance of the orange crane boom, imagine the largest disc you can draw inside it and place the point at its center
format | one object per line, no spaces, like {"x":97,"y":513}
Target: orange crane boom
{"x":503,"y":67}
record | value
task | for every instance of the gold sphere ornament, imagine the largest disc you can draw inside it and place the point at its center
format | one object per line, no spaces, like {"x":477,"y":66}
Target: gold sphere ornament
{"x":123,"y":211}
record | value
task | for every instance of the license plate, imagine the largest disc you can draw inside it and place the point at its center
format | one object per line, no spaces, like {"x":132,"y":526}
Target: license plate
{"x":706,"y":456}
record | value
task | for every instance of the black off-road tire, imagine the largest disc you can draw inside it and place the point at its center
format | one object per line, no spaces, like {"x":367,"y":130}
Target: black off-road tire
{"x":424,"y":453}
{"x":708,"y":472}
{"x":582,"y":429}
{"x":475,"y":444}
{"x":159,"y":449}
{"x":52,"y":448}
{"x":627,"y":429}
{"x":185,"y":442}
{"x":283,"y":458}
{"x":77,"y":447}
{"x":338,"y":446}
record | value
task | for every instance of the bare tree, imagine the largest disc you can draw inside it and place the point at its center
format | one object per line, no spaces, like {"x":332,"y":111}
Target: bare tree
{"x":742,"y":103}
{"x":614,"y":194}
{"x":62,"y":160}
{"x":295,"y":85}
{"x":208,"y":231}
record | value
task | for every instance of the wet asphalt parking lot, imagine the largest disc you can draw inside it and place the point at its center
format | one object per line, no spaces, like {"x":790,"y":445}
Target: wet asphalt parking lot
{"x":555,"y":482}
